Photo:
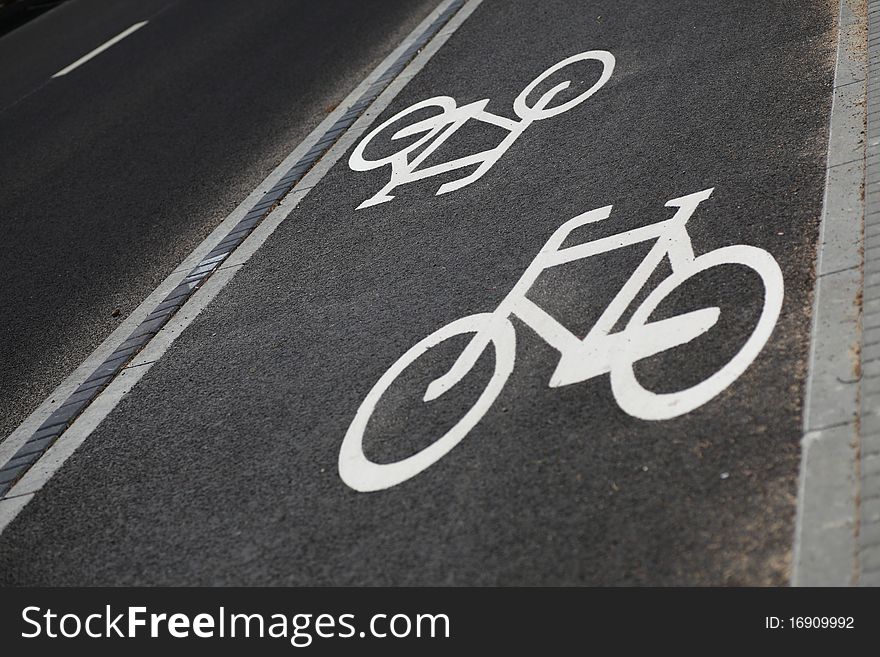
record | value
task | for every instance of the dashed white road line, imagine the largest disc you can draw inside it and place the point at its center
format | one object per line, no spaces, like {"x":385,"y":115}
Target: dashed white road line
{"x":97,"y":51}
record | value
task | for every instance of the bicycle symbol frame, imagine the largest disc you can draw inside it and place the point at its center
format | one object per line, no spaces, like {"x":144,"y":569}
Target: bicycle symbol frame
{"x":600,"y":352}
{"x":437,"y":129}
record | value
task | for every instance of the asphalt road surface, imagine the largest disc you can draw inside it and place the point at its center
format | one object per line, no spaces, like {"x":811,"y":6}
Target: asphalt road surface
{"x":221,"y":466}
{"x":114,"y":172}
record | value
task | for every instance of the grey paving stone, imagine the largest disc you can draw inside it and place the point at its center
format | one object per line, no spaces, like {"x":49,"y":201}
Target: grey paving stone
{"x":827,"y":540}
{"x":833,"y":379}
{"x":842,"y":232}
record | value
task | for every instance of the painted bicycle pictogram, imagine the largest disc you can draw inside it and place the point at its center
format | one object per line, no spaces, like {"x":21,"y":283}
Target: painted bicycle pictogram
{"x":602,"y":351}
{"x":439,"y":128}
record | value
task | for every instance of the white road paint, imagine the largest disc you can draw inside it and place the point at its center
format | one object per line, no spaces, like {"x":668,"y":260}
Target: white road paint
{"x":440,"y":127}
{"x":600,"y":352}
{"x":78,"y":432}
{"x":97,"y":51}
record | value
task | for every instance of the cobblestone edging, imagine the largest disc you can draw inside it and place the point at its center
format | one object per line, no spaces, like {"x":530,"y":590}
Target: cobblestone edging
{"x":869,"y":494}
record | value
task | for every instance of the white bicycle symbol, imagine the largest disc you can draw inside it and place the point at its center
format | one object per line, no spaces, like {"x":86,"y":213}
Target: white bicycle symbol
{"x":598,"y":353}
{"x":441,"y":127}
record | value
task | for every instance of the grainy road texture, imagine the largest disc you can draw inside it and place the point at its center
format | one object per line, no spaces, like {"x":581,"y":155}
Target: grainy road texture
{"x":220,"y":467}
{"x":113,"y":173}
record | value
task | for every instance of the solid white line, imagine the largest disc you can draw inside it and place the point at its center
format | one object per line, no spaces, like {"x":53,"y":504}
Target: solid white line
{"x":97,"y":51}
{"x":83,"y":426}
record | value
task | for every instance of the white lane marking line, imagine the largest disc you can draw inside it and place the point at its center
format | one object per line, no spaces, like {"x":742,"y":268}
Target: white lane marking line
{"x":53,"y":401}
{"x":83,"y":426}
{"x":97,"y":51}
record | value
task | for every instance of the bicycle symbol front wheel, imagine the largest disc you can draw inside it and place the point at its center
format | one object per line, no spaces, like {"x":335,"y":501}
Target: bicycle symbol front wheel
{"x":639,"y":402}
{"x":539,"y":110}
{"x":364,"y":475}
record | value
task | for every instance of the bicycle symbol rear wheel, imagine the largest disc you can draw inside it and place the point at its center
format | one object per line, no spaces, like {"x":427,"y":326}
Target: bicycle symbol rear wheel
{"x":358,"y":162}
{"x":364,"y":475}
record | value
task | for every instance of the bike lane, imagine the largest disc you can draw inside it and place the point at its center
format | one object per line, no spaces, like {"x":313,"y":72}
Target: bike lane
{"x":221,"y":465}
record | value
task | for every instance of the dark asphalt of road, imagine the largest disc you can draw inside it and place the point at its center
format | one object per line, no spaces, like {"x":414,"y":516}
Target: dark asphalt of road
{"x":112,"y":174}
{"x":15,"y":13}
{"x":220,"y":467}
